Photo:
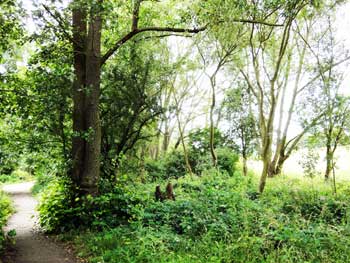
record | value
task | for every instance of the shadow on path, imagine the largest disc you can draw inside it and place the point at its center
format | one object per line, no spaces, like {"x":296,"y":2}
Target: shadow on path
{"x":31,"y":245}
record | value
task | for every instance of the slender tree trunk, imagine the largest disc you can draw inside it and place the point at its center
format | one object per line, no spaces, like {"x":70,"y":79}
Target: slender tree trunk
{"x":329,"y":161}
{"x":266,"y":158}
{"x":279,"y":157}
{"x":187,"y":161}
{"x":142,"y":165}
{"x":245,"y":166}
{"x":277,"y":163}
{"x":279,"y":166}
{"x":212,"y":128}
{"x":166,"y":138}
{"x":262,"y":183}
{"x":182,"y":138}
{"x":244,"y":152}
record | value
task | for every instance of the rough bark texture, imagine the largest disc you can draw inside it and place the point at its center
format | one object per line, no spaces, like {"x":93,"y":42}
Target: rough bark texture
{"x":91,"y":168}
{"x":78,"y":144}
{"x":86,"y":124}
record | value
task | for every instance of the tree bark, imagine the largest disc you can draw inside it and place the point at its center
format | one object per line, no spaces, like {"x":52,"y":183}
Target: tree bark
{"x":329,"y":159}
{"x":212,"y":128}
{"x":86,"y":91}
{"x":78,"y":143}
{"x":245,"y":166}
{"x":91,"y":172}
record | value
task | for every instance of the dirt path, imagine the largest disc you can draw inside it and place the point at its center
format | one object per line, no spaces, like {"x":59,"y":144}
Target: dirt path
{"x":31,"y":245}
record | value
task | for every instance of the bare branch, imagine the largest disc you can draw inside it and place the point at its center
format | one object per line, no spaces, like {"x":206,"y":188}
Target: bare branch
{"x":261,"y":22}
{"x":135,"y":32}
{"x":162,"y":36}
{"x":322,"y":72}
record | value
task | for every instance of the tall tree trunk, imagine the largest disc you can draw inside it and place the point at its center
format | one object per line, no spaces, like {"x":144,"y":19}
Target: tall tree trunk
{"x":86,"y":91}
{"x":182,"y":138}
{"x":91,"y":172}
{"x":78,"y":143}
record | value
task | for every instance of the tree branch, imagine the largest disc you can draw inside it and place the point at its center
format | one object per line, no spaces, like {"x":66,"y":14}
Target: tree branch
{"x":323,"y":71}
{"x":60,"y":22}
{"x":162,"y":36}
{"x":261,"y":22}
{"x":135,"y":32}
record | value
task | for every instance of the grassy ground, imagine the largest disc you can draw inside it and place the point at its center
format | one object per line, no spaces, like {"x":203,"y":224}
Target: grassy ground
{"x":221,"y":219}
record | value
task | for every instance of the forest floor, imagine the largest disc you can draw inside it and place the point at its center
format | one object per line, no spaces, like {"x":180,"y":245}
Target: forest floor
{"x":31,"y":245}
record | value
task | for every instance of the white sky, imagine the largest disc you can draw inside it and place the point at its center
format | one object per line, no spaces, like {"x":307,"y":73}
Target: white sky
{"x":342,"y":25}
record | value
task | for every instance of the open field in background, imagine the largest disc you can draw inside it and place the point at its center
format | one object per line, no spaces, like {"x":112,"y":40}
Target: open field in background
{"x":293,"y":168}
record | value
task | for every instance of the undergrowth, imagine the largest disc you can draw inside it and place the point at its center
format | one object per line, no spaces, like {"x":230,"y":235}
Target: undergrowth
{"x":15,"y":177}
{"x":5,"y":211}
{"x":215,"y":218}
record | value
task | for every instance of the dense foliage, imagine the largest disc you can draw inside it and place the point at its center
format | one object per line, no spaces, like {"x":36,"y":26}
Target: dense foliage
{"x":107,"y":101}
{"x":216,"y":218}
{"x":5,"y":211}
{"x":172,"y":165}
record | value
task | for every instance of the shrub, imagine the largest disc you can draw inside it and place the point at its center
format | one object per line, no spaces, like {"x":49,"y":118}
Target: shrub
{"x":61,"y":210}
{"x":55,"y":207}
{"x":5,"y":211}
{"x":42,"y":181}
{"x":15,"y":176}
{"x":155,"y":170}
{"x":173,"y":165}
{"x":8,"y":162}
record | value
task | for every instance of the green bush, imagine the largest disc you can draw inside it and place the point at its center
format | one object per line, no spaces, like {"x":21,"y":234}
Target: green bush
{"x":60,"y":210}
{"x":8,"y":162}
{"x":175,"y":166}
{"x":15,"y":176}
{"x":155,"y":170}
{"x":172,"y":166}
{"x":5,"y":211}
{"x":55,"y":207}
{"x":42,"y":181}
